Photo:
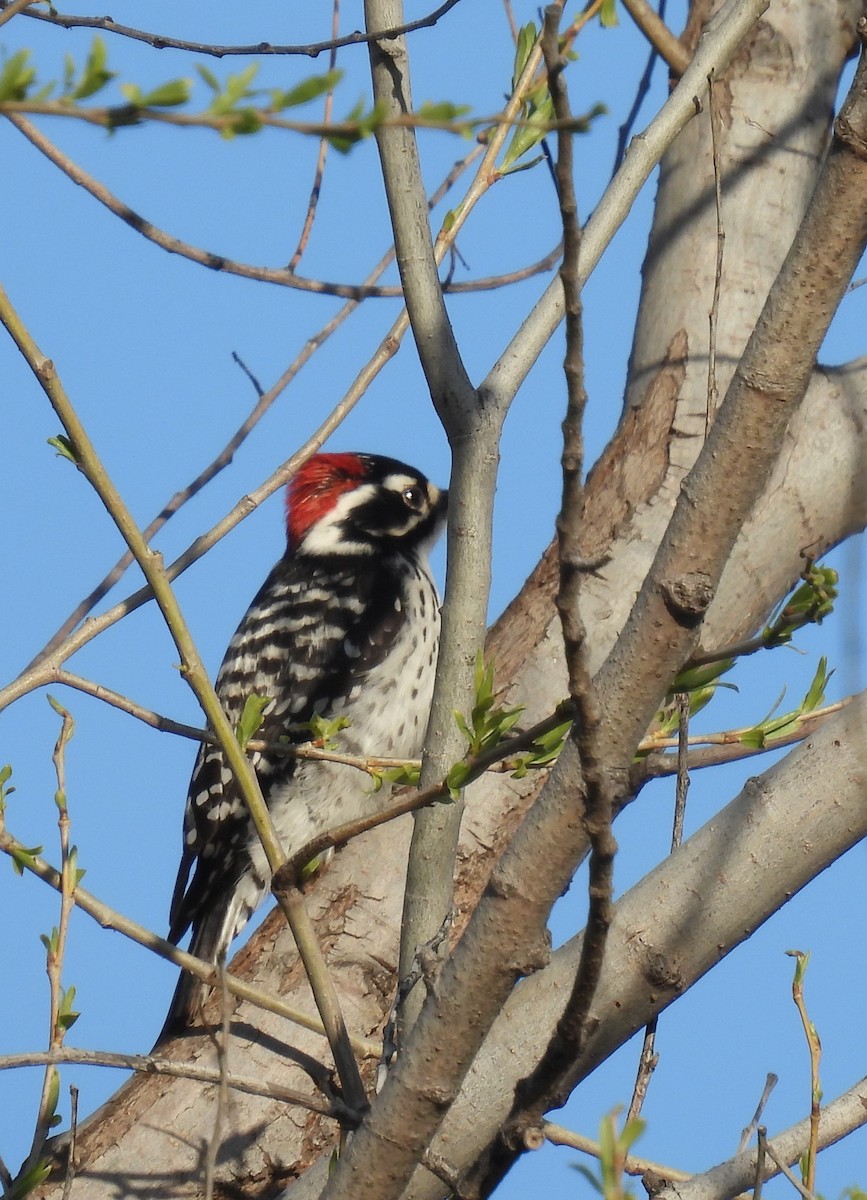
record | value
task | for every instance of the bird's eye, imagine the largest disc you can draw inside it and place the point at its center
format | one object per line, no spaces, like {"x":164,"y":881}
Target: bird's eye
{"x":413,"y":497}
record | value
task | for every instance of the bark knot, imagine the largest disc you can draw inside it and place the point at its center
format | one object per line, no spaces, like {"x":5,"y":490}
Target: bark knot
{"x":688,"y":596}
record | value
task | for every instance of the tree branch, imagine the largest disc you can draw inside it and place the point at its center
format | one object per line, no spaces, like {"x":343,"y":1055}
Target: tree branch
{"x":717,"y":48}
{"x":149,"y":1064}
{"x":162,"y":42}
{"x":658,"y":34}
{"x":429,"y":888}
{"x":723,"y":882}
{"x":540,"y":1091}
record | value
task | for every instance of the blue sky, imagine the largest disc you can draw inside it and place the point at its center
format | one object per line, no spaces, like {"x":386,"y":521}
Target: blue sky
{"x":143,"y":341}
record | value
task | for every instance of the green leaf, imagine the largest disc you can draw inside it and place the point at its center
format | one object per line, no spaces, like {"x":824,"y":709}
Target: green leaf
{"x":29,"y":1181}
{"x":324,"y":730}
{"x":66,"y":1015}
{"x":95,"y":75}
{"x":5,"y":776}
{"x":801,"y":963}
{"x":53,"y":1095}
{"x":526,"y":41}
{"x":537,"y":117}
{"x":589,"y":1176}
{"x":608,"y":14}
{"x":462,"y":725}
{"x":251,"y":718}
{"x":50,"y":941}
{"x":523,"y":166}
{"x":167,"y":95}
{"x":23,"y":856}
{"x":548,"y":745}
{"x":402,"y":776}
{"x":445,"y":111}
{"x":811,"y":602}
{"x":699,"y":677}
{"x":456,"y":779}
{"x":365,"y":126}
{"x":76,"y":872}
{"x":630,"y":1133}
{"x":209,"y":77}
{"x":245,"y":121}
{"x":816,"y":692}
{"x":307,"y":90}
{"x":64,"y":448}
{"x":236,"y":89}
{"x":16,"y":76}
{"x":753,"y":739}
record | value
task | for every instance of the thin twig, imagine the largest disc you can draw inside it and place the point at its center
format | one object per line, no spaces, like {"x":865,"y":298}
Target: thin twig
{"x":148,"y":1064}
{"x":790,"y":1175}
{"x":542,"y":1088}
{"x":160,"y":41}
{"x":220,"y":1041}
{"x":69,"y":1174}
{"x":257,"y":387}
{"x":760,"y":1167}
{"x":12,"y":9}
{"x":597,"y":798}
{"x":647,"y":1062}
{"x":770,"y":1083}
{"x":291,"y":901}
{"x":6,"y":1179}
{"x":279,"y":276}
{"x":510,"y":17}
{"x":658,"y":34}
{"x":814,"y":1046}
{"x":641,"y":91}
{"x":557,"y":1135}
{"x":327,"y":111}
{"x":55,"y":947}
{"x":682,"y":786}
{"x":649,"y":1059}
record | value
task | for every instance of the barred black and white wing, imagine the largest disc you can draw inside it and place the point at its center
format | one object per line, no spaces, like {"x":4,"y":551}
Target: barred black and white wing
{"x":309,"y":642}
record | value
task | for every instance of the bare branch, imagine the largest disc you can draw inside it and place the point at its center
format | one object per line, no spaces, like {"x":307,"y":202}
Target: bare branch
{"x":323,"y":151}
{"x":558,"y":1136}
{"x":764,"y":868}
{"x":840,"y":1117}
{"x":150,"y":1064}
{"x":541,"y":1091}
{"x":13,"y":8}
{"x":162,"y":42}
{"x":658,"y":34}
{"x":719,"y":44}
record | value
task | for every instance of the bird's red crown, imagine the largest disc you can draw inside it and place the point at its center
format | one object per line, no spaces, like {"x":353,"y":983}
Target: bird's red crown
{"x":315,"y":489}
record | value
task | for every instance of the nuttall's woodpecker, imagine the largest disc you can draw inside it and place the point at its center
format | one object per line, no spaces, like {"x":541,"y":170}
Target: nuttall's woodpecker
{"x":346,"y":625}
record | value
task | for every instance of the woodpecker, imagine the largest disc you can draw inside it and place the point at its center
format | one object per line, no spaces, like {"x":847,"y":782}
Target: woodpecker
{"x":346,"y":625}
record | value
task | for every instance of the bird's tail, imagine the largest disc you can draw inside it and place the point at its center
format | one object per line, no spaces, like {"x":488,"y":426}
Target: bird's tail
{"x":210,"y":941}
